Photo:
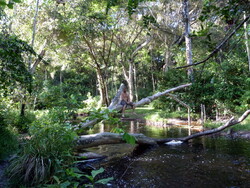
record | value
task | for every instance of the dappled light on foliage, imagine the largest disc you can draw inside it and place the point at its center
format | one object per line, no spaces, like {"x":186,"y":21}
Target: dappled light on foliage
{"x":64,"y":64}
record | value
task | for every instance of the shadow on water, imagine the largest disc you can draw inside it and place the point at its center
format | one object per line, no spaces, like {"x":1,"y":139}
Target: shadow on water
{"x":203,"y":162}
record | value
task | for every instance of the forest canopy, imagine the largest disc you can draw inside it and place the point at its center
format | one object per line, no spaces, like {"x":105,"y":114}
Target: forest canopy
{"x":61,"y":58}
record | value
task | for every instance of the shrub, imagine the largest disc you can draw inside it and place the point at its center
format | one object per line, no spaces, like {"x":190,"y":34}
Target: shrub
{"x":8,"y":138}
{"x":8,"y":142}
{"x":47,"y":150}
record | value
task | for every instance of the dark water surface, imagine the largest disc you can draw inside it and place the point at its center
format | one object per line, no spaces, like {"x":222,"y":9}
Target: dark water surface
{"x":203,"y":162}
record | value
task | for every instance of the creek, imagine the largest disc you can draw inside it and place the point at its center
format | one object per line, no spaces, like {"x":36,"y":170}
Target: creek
{"x":212,"y":161}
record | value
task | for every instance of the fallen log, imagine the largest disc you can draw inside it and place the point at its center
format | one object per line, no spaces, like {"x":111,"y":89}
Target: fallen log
{"x":228,"y":124}
{"x":115,"y":106}
{"x":92,"y":140}
{"x":86,"y":141}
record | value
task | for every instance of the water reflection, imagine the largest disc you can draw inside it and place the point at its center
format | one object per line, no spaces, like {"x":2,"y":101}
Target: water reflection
{"x":138,"y":127}
{"x":203,"y":162}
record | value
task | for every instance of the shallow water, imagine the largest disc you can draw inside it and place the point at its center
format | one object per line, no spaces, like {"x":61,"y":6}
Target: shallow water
{"x":203,"y":162}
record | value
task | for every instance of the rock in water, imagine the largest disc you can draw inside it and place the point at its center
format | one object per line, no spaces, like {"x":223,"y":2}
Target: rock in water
{"x":174,"y":142}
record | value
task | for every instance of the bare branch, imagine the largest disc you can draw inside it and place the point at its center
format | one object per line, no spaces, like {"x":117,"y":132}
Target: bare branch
{"x":218,"y":47}
{"x":113,"y":138}
{"x":143,"y":101}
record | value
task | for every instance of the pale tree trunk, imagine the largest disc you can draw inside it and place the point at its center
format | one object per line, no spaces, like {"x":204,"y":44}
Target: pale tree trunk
{"x":131,"y":80}
{"x":188,"y":39}
{"x":115,"y":106}
{"x":34,"y":31}
{"x":128,"y":75}
{"x":153,"y":81}
{"x":23,"y":103}
{"x":246,"y":39}
{"x":40,"y":57}
{"x":167,"y":56}
{"x":93,"y":140}
{"x":102,"y":88}
{"x":219,"y":46}
{"x":135,"y":83}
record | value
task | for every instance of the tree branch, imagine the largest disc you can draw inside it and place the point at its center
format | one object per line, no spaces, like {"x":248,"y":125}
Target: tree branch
{"x":147,"y":100}
{"x":229,"y":123}
{"x":141,"y":46}
{"x":92,"y":140}
{"x":218,"y":47}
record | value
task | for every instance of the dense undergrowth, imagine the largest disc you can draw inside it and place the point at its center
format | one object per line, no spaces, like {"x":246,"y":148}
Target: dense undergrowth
{"x":44,"y":155}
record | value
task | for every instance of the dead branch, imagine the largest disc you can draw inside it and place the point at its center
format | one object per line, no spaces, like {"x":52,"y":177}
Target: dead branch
{"x":115,"y":106}
{"x":218,"y":47}
{"x":229,"y":123}
{"x":92,"y":140}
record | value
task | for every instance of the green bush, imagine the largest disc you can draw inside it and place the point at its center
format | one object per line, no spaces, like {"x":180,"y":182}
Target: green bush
{"x":8,"y":142}
{"x":91,"y":102}
{"x":46,"y":152}
{"x":222,"y":86}
{"x":8,"y":137}
{"x":12,"y":118}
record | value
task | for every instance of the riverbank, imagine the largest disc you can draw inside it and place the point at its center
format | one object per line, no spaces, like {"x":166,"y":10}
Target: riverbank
{"x":160,"y":118}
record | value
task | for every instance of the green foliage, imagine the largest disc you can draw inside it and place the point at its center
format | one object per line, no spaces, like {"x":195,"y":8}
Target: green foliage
{"x":125,"y":136}
{"x":223,"y":86}
{"x":92,"y":178}
{"x":228,"y":10}
{"x":73,"y":177}
{"x":47,"y":150}
{"x":12,"y":118}
{"x":170,"y":79}
{"x":68,"y":89}
{"x":211,"y":125}
{"x":129,"y":138}
{"x":91,"y":102}
{"x":131,"y":5}
{"x":12,"y":63}
{"x":56,"y":96}
{"x":107,"y":115}
{"x":245,"y":125}
{"x":8,"y":140}
{"x":10,"y":4}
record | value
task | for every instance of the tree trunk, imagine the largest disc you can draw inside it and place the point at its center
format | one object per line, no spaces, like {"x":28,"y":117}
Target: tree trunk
{"x":135,"y":83}
{"x":115,"y":106}
{"x":246,"y":39}
{"x":131,"y":81}
{"x":22,"y":113}
{"x":34,"y":31}
{"x":219,"y":46}
{"x":167,"y":59}
{"x":92,"y":140}
{"x":102,"y":88}
{"x":188,"y":39}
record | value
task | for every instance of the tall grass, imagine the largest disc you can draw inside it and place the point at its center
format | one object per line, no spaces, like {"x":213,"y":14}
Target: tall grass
{"x":44,"y":153}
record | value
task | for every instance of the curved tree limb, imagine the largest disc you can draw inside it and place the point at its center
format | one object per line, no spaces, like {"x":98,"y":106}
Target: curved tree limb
{"x":218,"y":47}
{"x":229,"y":123}
{"x":115,"y":106}
{"x":92,"y":140}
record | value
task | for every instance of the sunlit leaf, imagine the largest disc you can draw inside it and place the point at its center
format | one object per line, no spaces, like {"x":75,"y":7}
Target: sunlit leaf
{"x":104,"y":181}
{"x":94,"y":173}
{"x":57,"y":179}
